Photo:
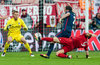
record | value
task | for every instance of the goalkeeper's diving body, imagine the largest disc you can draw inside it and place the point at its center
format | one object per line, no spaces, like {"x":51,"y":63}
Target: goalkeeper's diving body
{"x":13,"y":27}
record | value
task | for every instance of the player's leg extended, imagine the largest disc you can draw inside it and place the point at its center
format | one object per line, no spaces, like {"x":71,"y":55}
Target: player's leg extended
{"x":27,"y":46}
{"x":7,"y":45}
{"x":51,"y":46}
{"x":61,"y":54}
{"x":49,"y":39}
{"x":55,"y":39}
{"x":37,"y":37}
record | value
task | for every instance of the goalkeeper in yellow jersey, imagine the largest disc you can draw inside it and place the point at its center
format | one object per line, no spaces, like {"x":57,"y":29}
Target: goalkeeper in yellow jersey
{"x":14,"y":26}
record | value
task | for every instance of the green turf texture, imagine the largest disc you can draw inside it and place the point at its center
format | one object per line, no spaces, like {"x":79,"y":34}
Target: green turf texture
{"x":23,"y":58}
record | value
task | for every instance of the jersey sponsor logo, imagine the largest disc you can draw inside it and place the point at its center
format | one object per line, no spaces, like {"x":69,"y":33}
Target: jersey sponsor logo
{"x":15,"y":26}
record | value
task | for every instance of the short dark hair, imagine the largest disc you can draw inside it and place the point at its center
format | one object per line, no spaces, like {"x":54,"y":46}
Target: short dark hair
{"x":88,"y":36}
{"x":16,"y":12}
{"x":97,"y":14}
{"x":69,"y":8}
{"x":23,"y":10}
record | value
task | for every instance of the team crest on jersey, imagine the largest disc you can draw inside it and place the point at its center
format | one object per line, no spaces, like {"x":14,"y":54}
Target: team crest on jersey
{"x":19,"y":23}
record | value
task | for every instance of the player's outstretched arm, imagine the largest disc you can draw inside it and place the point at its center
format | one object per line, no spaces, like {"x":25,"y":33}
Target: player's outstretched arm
{"x":93,"y":35}
{"x":64,"y":16}
{"x":89,"y":35}
{"x":24,"y":25}
{"x":8,"y":25}
{"x":71,"y":6}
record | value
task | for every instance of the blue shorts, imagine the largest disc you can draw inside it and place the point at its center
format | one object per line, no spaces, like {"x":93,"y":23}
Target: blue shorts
{"x":64,"y":34}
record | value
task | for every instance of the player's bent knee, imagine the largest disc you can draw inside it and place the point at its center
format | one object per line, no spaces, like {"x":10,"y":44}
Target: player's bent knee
{"x":57,"y":53}
{"x":23,"y":40}
{"x":9,"y":41}
{"x":60,"y":51}
{"x":55,"y":39}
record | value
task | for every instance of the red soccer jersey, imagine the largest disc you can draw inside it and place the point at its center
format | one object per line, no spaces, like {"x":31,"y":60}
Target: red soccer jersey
{"x":81,"y":42}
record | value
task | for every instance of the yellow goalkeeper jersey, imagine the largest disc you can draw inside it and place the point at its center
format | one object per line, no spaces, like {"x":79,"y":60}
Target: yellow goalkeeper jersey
{"x":15,"y":26}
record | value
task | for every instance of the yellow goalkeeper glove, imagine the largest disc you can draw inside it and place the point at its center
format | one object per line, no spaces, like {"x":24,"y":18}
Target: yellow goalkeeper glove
{"x":7,"y":28}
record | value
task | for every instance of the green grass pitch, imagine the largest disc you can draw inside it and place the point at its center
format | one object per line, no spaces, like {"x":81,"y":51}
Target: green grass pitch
{"x":23,"y":58}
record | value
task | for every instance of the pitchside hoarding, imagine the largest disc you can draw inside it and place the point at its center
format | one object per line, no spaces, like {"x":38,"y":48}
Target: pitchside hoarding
{"x":33,"y":11}
{"x":94,"y":42}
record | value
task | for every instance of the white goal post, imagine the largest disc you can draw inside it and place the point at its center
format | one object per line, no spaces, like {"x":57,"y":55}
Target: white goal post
{"x":86,"y":16}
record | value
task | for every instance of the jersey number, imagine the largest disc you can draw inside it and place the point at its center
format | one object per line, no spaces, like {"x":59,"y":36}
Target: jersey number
{"x":84,"y":44}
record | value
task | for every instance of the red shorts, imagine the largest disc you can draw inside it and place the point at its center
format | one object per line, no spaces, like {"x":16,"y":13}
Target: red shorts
{"x":65,"y":41}
{"x":67,"y":48}
{"x":68,"y":44}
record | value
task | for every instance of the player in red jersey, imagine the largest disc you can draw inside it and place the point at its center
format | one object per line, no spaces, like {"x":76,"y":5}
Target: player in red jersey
{"x":71,"y":43}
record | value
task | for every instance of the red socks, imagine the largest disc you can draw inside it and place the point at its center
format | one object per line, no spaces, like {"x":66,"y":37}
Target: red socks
{"x":49,"y":39}
{"x":62,"y":55}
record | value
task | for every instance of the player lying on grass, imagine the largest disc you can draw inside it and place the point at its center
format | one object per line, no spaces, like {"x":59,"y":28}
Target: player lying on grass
{"x":14,"y":26}
{"x":70,"y":43}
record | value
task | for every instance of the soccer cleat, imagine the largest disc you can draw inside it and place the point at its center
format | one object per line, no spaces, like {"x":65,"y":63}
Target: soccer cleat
{"x":37,"y":36}
{"x":69,"y":56}
{"x":31,"y":54}
{"x":44,"y":55}
{"x":3,"y":54}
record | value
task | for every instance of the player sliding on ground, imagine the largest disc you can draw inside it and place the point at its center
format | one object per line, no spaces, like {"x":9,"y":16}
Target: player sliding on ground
{"x":70,"y":44}
{"x":14,"y":26}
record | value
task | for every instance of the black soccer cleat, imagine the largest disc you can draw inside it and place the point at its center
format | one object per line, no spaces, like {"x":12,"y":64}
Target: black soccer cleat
{"x":44,"y":56}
